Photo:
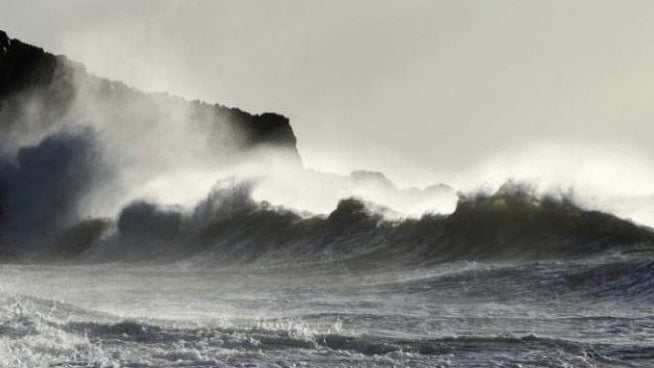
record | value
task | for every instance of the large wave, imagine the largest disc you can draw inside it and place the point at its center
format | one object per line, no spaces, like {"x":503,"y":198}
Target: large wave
{"x":230,"y":227}
{"x":94,"y":171}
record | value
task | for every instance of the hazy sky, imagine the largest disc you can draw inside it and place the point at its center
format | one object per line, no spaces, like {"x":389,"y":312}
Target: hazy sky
{"x":423,"y":90}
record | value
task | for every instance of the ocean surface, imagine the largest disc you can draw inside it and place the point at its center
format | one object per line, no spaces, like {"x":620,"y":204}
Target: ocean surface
{"x":593,"y":311}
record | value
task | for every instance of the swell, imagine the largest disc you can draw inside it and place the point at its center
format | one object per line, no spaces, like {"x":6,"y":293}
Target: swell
{"x":28,"y":327}
{"x":635,"y":282}
{"x":231,"y":228}
{"x":262,"y":340}
{"x":130,"y":331}
{"x":33,"y":317}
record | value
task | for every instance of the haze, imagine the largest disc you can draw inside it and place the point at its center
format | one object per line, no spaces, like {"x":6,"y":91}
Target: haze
{"x":464,"y":92}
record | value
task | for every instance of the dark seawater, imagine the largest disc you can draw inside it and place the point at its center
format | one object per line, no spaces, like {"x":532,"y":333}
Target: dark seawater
{"x":590,"y":312}
{"x":505,"y":281}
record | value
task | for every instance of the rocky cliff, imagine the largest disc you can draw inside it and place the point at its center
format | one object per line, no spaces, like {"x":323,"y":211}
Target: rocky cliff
{"x":55,"y":83}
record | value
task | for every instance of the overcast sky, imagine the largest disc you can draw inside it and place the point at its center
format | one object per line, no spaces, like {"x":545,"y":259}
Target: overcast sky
{"x":423,"y":90}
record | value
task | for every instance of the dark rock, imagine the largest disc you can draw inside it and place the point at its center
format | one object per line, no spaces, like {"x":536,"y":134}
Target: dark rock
{"x":29,"y":72}
{"x":372,"y":179}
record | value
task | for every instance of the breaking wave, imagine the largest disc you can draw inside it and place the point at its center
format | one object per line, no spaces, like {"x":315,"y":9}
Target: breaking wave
{"x":230,"y":227}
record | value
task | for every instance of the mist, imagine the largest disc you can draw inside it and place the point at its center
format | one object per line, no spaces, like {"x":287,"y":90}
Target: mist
{"x":437,"y":92}
{"x":326,"y":183}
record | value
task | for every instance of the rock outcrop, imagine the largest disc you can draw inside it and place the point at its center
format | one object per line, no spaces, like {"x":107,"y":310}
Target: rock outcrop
{"x":29,"y":73}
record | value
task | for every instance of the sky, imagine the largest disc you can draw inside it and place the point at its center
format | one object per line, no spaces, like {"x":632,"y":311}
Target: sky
{"x":425,"y":91}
